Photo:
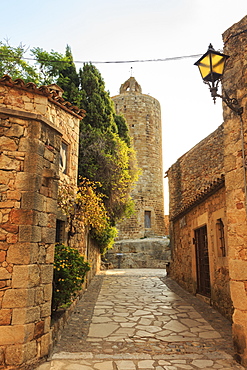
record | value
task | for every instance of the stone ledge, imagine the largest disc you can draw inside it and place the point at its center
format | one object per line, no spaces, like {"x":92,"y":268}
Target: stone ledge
{"x":30,"y":116}
{"x":153,"y":252}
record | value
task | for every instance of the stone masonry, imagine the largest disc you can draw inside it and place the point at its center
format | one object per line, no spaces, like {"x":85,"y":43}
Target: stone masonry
{"x":194,"y":172}
{"x":197,"y":198}
{"x":33,"y":123}
{"x":142,"y":113}
{"x":144,"y":253}
{"x":235,"y":148}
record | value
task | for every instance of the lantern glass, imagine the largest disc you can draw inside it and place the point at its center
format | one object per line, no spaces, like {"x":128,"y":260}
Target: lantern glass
{"x":211,"y":65}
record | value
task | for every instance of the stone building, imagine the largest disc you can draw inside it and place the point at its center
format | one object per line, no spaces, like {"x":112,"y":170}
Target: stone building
{"x":208,"y":204}
{"x":39,"y":148}
{"x":142,"y":113}
{"x":198,"y":222}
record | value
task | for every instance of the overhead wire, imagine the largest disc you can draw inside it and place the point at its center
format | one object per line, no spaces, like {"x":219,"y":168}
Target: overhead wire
{"x":106,"y":62}
{"x":119,"y":61}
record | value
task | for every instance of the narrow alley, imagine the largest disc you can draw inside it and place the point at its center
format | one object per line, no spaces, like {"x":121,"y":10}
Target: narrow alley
{"x":142,"y":320}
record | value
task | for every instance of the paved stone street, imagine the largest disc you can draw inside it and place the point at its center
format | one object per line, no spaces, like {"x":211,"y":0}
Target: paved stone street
{"x":142,"y":320}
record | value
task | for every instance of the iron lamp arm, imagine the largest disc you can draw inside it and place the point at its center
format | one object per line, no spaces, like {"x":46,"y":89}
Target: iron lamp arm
{"x":232,"y":103}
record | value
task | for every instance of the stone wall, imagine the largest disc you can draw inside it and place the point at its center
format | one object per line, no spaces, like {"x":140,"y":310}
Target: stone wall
{"x":142,"y":113}
{"x":183,"y":267}
{"x":196,"y":171}
{"x":143,"y":253}
{"x":35,"y":124}
{"x":235,"y":149}
{"x":29,"y":180}
{"x":197,"y":198}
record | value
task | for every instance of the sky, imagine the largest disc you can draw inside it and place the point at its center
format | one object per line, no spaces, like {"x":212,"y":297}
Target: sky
{"x":130,"y":30}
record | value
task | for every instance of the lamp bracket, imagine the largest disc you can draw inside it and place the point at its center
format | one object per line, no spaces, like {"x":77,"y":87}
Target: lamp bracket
{"x":232,"y":103}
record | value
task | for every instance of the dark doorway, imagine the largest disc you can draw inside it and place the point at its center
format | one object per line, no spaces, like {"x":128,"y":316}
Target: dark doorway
{"x":202,"y":261}
{"x":147,"y":216}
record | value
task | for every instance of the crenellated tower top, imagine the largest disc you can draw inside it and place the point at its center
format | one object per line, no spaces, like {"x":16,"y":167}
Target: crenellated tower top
{"x":131,"y":85}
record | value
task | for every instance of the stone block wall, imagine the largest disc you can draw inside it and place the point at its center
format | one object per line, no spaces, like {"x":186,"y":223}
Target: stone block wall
{"x":183,"y":267}
{"x":144,"y":253}
{"x":93,"y":257}
{"x":235,"y":149}
{"x":29,"y":170}
{"x":197,"y":198}
{"x":33,"y":124}
{"x":196,"y":171}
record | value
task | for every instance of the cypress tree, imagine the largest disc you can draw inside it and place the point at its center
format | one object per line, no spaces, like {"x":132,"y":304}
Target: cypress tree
{"x":96,"y":100}
{"x":105,"y":154}
{"x":68,"y":79}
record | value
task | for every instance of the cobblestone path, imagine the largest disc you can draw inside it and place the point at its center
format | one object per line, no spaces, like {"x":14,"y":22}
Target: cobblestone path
{"x":142,"y":320}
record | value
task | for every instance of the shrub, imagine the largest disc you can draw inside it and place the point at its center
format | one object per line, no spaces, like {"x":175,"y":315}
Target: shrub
{"x":83,"y":206}
{"x":105,"y":238}
{"x":69,"y":272}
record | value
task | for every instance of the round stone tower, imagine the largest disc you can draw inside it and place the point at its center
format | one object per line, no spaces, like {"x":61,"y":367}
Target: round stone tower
{"x":142,"y":113}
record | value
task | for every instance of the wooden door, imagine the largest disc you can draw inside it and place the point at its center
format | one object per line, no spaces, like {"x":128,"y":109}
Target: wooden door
{"x":202,"y":261}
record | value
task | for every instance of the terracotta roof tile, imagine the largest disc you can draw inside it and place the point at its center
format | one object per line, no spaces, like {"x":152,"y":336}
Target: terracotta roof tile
{"x":45,"y":91}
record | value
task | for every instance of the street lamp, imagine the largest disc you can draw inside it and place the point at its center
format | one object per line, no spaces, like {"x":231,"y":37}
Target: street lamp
{"x":211,"y":66}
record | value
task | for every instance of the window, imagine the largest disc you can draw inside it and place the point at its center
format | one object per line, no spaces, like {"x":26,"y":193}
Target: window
{"x":60,"y":231}
{"x":220,"y":237}
{"x":147,"y":219}
{"x":63,"y":160}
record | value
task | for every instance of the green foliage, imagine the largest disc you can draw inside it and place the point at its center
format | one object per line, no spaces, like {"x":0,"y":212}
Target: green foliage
{"x":60,"y":69}
{"x":106,"y":155}
{"x":106,"y":158}
{"x":105,"y":238}
{"x":69,"y":273}
{"x":49,"y":65}
{"x":123,"y":130}
{"x":68,"y":79}
{"x":12,"y":63}
{"x":83,"y":204}
{"x":95,"y":100}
